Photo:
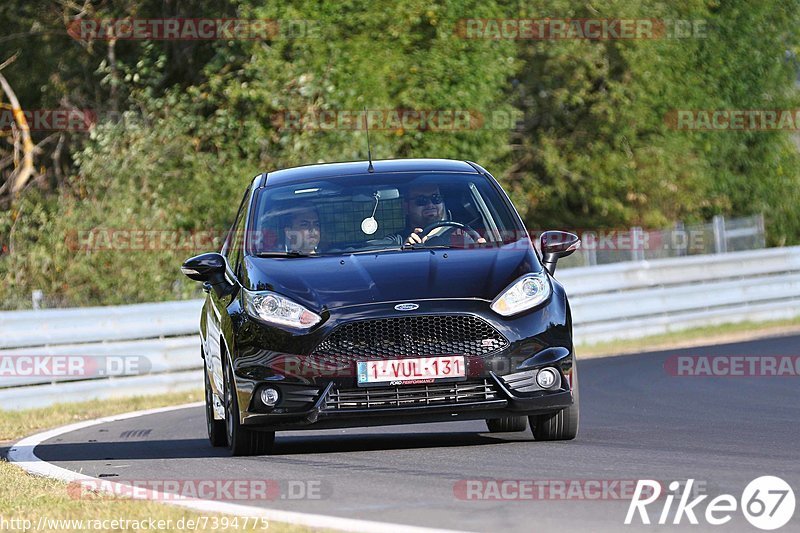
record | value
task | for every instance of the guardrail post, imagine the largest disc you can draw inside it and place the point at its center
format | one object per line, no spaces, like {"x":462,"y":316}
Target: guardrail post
{"x":589,"y":246}
{"x":679,"y":239}
{"x":36,"y":299}
{"x":761,"y":238}
{"x":720,"y":239}
{"x":637,"y":244}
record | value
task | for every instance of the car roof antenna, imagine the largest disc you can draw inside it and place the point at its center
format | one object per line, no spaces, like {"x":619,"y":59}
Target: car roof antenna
{"x":370,"y":168}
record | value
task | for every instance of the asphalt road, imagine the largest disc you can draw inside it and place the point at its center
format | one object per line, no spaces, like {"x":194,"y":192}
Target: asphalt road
{"x":638,"y":422}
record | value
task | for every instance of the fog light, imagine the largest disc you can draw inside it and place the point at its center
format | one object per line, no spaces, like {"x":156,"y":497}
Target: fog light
{"x":546,"y":378}
{"x":269,"y":397}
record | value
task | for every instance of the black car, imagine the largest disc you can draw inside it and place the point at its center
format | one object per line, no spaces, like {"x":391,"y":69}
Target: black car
{"x":399,"y":291}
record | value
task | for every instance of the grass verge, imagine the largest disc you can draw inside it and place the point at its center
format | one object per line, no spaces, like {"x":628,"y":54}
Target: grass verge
{"x":17,"y":424}
{"x":36,"y":503}
{"x":689,"y":338}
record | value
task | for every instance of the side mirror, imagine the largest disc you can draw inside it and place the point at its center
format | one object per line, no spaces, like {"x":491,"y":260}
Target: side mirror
{"x":555,"y":245}
{"x":205,"y":267}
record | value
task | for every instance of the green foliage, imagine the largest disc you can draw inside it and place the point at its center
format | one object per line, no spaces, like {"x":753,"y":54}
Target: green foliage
{"x":136,"y":180}
{"x":597,"y":150}
{"x":592,"y":147}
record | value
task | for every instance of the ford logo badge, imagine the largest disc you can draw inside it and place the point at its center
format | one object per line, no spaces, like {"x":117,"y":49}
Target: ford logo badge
{"x":406,"y":307}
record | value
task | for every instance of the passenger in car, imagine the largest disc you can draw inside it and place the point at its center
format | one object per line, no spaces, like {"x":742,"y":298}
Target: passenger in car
{"x":302,"y":230}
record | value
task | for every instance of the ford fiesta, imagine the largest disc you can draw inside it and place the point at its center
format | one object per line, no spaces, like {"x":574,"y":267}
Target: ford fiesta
{"x":399,"y":291}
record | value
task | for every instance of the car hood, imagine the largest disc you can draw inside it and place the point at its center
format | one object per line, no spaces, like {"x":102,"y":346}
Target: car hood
{"x":345,"y":280}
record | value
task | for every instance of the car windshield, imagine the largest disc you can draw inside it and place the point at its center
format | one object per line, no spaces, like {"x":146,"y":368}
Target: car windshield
{"x":379,"y":212}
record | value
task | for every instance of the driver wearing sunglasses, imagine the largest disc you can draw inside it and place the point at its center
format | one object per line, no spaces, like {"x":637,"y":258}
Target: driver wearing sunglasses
{"x":424,"y":205}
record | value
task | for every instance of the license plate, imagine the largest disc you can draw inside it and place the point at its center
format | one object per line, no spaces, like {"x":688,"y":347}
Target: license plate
{"x":411,"y":371}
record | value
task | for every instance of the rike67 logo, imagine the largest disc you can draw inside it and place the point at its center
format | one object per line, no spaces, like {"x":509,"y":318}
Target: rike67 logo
{"x":767,"y":502}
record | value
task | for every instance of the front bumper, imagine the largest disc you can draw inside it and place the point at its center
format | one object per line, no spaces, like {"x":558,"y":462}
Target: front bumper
{"x":498,"y":401}
{"x":310,"y":400}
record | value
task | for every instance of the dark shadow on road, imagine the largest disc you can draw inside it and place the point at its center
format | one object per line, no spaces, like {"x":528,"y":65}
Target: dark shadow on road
{"x":284,"y":445}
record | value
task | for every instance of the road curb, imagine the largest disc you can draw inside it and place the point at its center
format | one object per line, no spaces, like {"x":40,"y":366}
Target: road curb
{"x":22,"y":454}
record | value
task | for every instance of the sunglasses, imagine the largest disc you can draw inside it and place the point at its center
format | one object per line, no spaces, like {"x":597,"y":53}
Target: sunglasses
{"x":423,"y":200}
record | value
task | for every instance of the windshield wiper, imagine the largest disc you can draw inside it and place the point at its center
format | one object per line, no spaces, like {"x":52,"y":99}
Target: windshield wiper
{"x":423,"y":246}
{"x":372,"y":251}
{"x":290,"y":253}
{"x":395,"y":249}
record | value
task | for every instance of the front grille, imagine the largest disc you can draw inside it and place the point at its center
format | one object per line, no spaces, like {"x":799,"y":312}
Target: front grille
{"x":410,"y":336}
{"x":410,"y":396}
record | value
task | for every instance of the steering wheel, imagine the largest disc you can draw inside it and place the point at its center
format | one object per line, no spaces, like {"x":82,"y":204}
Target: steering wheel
{"x":474,"y":235}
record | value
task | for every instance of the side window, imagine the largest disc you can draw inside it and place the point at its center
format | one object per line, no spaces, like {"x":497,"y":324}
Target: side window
{"x":233,"y":240}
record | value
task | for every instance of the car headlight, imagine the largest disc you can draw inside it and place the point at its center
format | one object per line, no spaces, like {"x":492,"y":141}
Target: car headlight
{"x":525,"y":293}
{"x":276,"y":309}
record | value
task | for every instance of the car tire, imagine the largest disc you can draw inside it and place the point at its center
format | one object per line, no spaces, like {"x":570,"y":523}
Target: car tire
{"x":216,"y":428}
{"x":561,"y":425}
{"x":242,"y":441}
{"x":507,"y":424}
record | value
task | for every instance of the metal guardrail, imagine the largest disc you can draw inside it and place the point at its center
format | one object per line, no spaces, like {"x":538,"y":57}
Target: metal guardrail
{"x":151,"y":356}
{"x":98,"y":324}
{"x":638,"y":299}
{"x":721,"y":235}
{"x":77,"y":391}
{"x":615,"y":301}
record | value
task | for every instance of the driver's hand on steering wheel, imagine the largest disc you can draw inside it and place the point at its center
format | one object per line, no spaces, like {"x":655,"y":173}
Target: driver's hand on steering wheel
{"x":415,"y":238}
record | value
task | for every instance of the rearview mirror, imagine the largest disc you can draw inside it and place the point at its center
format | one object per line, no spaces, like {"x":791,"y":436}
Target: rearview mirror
{"x":389,"y":194}
{"x":382,"y":194}
{"x":555,"y":245}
